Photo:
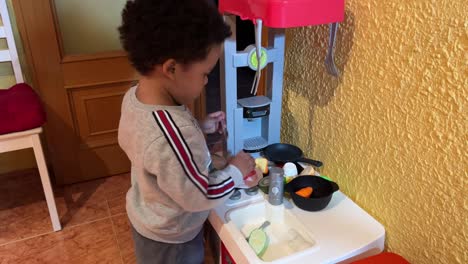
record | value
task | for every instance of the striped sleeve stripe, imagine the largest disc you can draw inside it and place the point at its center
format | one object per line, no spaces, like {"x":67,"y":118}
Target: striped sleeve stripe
{"x":214,"y":190}
{"x":220,"y":185}
{"x":184,"y":155}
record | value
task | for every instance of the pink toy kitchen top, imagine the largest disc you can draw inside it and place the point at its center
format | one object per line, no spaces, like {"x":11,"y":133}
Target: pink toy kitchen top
{"x":286,"y":13}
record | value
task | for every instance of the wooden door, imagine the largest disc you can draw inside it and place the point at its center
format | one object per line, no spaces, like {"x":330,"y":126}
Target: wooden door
{"x":82,"y":87}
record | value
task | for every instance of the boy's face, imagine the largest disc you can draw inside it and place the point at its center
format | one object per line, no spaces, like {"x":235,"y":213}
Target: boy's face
{"x":190,"y":80}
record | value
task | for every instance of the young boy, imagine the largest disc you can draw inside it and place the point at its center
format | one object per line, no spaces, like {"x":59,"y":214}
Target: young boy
{"x":173,"y":44}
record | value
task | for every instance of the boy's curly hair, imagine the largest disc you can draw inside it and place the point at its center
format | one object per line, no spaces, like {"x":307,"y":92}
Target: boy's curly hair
{"x":153,"y":31}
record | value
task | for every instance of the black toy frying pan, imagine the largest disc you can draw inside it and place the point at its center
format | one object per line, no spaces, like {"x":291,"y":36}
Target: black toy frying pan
{"x":282,"y":153}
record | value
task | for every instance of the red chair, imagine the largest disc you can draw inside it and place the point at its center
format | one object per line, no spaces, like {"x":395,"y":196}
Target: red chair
{"x":22,"y":115}
{"x":383,"y":258}
{"x":21,"y":118}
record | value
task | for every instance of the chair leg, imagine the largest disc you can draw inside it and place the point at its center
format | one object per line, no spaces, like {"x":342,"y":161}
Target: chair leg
{"x":49,"y":193}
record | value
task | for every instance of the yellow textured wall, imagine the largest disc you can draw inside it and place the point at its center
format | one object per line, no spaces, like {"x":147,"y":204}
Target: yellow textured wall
{"x":392,"y":130}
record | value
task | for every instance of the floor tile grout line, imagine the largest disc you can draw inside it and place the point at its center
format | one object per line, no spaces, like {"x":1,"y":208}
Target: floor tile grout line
{"x":108,"y":200}
{"x":118,"y":214}
{"x":48,"y":233}
{"x":54,"y":232}
{"x":115,"y":233}
{"x":26,"y":238}
{"x":89,"y":222}
{"x":109,"y":215}
{"x":33,"y":172}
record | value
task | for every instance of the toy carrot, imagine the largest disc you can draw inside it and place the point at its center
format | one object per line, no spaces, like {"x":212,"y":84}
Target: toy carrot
{"x":305,"y":192}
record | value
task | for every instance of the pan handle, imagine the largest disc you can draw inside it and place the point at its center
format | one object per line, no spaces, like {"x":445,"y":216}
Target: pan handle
{"x":314,"y":163}
{"x":335,"y":186}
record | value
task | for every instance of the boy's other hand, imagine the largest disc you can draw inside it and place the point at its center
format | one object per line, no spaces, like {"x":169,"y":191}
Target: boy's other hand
{"x":244,"y":162}
{"x":214,"y":122}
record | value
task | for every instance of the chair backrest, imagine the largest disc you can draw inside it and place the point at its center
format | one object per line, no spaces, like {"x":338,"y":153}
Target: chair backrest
{"x":10,"y":54}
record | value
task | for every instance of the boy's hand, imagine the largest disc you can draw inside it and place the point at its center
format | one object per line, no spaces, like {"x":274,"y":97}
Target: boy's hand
{"x":214,"y":122}
{"x":253,"y":178}
{"x":244,"y":162}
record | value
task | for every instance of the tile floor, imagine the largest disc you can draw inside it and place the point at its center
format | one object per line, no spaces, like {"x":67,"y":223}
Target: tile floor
{"x":96,"y":229}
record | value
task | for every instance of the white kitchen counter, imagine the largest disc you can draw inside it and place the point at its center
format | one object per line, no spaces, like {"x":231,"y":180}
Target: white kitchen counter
{"x":342,"y":232}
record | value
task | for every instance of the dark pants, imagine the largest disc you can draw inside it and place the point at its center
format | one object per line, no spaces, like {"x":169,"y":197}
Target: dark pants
{"x":148,"y":251}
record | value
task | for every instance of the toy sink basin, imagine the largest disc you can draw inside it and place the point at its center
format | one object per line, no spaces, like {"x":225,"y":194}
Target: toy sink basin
{"x":287,"y":236}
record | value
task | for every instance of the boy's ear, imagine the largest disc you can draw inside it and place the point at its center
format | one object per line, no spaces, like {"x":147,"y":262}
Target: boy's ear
{"x":169,"y":68}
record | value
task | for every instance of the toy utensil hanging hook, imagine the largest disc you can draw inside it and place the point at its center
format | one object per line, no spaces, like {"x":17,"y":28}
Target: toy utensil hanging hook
{"x":258,"y":51}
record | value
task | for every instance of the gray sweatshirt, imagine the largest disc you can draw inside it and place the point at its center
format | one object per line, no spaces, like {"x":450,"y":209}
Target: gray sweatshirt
{"x":171,"y":189}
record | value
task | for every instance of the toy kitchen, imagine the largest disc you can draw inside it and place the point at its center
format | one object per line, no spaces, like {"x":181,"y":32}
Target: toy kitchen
{"x":256,"y":226}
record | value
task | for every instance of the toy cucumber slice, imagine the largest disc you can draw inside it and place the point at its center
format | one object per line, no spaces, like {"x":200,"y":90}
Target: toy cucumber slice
{"x":258,"y":240}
